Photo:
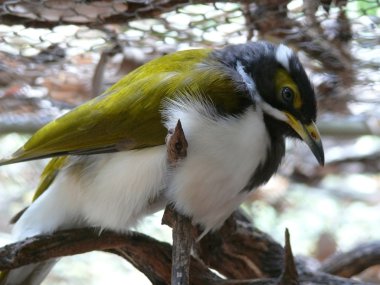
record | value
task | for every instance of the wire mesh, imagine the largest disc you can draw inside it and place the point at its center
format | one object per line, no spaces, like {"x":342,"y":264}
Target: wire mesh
{"x":52,"y":48}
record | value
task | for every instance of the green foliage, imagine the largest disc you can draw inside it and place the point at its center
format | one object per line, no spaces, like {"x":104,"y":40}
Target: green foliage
{"x":370,"y":8}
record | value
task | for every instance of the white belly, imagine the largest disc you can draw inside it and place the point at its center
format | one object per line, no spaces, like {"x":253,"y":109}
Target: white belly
{"x":123,"y":187}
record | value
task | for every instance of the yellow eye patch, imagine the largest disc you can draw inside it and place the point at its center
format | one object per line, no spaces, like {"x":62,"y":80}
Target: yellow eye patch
{"x":283,"y":79}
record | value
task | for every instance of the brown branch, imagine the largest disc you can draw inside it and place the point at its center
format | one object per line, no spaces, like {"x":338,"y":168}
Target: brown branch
{"x":62,"y":243}
{"x":155,"y":263}
{"x":257,"y":253}
{"x":354,"y":261}
{"x":240,"y":251}
{"x":182,"y":242}
{"x":150,"y":256}
{"x":98,"y":76}
{"x":176,"y":144}
{"x":237,"y":250}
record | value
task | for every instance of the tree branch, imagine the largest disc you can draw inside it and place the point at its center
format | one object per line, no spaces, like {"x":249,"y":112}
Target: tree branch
{"x":150,"y":256}
{"x":240,"y":251}
{"x":354,"y":261}
{"x":176,"y":144}
{"x":289,"y":274}
{"x":63,"y":243}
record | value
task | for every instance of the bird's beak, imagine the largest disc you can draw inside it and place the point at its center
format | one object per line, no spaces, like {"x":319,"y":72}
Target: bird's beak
{"x":310,"y":135}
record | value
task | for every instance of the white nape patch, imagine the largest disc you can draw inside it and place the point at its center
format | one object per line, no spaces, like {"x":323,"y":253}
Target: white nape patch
{"x":283,"y":55}
{"x":222,"y":155}
{"x":275,"y":113}
{"x":251,"y":86}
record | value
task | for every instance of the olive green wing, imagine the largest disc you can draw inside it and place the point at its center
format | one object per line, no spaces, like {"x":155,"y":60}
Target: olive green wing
{"x":128,"y":115}
{"x":50,"y":172}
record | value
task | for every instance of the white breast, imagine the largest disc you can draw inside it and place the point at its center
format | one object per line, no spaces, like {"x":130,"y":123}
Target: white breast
{"x":223,"y":153}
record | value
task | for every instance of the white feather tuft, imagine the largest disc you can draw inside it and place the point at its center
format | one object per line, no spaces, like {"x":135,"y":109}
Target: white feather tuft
{"x":249,"y":83}
{"x":283,"y":55}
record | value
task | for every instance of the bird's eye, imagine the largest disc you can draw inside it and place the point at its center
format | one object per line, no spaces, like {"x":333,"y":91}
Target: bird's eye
{"x":287,"y":95}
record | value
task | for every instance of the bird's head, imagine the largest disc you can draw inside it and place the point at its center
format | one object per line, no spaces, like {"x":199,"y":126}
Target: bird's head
{"x":278,"y":84}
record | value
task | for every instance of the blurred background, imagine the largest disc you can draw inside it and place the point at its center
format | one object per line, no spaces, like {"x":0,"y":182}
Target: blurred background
{"x":57,"y":54}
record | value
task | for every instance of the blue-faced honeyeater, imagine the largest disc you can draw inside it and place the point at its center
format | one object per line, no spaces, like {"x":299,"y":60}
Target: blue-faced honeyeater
{"x":109,"y":163}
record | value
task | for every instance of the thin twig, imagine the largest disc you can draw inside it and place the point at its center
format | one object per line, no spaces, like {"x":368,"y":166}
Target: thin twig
{"x":289,"y":274}
{"x":354,"y":261}
{"x":177,"y":149}
{"x":181,"y":250}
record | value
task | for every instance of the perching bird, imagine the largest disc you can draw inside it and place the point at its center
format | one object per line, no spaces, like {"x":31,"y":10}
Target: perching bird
{"x":237,"y":105}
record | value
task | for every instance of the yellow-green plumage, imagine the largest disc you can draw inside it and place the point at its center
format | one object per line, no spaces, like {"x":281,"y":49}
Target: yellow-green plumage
{"x":48,"y":175}
{"x":127,"y":116}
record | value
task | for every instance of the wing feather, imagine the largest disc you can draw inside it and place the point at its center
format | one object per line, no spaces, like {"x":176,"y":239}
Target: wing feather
{"x":128,"y":115}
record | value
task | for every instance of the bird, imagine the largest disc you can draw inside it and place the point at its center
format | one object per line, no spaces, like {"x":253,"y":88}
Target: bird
{"x":108,"y":169}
